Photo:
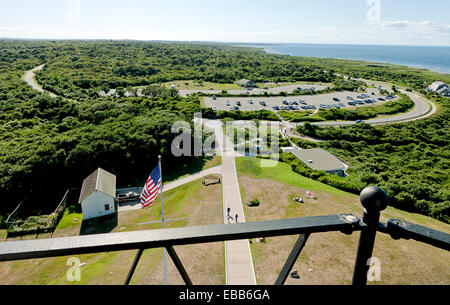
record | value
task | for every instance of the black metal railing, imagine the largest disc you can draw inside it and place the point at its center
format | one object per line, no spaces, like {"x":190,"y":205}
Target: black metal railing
{"x":373,"y":199}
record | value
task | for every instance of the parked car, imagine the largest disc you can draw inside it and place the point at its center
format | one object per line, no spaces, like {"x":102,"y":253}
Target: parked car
{"x":128,"y":196}
{"x":286,"y":102}
{"x":336,"y":99}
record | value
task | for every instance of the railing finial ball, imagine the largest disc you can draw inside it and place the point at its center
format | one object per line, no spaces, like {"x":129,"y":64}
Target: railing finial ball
{"x":374,"y":199}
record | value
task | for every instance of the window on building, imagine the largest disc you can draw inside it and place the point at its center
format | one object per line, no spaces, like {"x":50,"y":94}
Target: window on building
{"x":106,"y":207}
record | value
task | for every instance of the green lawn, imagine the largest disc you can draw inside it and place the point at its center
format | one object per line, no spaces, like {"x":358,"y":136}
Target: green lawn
{"x":194,"y":85}
{"x":328,"y":258}
{"x":281,"y":172}
{"x":3,"y":234}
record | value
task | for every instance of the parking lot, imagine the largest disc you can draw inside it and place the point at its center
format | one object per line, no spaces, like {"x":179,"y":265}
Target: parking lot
{"x":294,"y":103}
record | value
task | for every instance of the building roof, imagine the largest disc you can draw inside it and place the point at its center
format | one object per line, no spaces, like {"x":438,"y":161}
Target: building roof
{"x":443,"y":91}
{"x":437,"y":85}
{"x":244,"y":82}
{"x":319,"y":159}
{"x":101,"y":181}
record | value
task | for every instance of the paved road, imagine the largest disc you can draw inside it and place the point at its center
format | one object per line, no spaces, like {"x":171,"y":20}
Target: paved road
{"x":29,"y":78}
{"x":423,"y":108}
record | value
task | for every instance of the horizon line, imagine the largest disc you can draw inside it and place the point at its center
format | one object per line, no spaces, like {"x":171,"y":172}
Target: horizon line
{"x":220,"y":42}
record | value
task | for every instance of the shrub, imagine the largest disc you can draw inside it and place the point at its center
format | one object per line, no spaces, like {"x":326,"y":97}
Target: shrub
{"x":253,"y":203}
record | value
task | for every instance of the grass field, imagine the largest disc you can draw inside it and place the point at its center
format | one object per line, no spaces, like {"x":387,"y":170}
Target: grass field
{"x":195,"y":85}
{"x":204,"y":263}
{"x":328,"y":258}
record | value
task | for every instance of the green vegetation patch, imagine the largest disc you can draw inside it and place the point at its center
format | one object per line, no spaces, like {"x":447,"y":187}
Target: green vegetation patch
{"x":410,"y":161}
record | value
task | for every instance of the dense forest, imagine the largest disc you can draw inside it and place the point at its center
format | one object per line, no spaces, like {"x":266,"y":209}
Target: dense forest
{"x":49,"y":144}
{"x":84,"y":68}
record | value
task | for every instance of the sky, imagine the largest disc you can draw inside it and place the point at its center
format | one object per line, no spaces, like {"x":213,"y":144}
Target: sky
{"x":383,"y":22}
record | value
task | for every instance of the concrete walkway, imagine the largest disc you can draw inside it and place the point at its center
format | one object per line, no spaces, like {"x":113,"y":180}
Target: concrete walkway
{"x":238,"y":258}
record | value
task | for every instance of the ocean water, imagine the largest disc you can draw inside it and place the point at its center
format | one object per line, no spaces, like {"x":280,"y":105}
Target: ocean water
{"x":432,"y":58}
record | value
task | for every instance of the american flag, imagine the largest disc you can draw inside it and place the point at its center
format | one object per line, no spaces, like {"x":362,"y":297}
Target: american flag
{"x":151,"y":188}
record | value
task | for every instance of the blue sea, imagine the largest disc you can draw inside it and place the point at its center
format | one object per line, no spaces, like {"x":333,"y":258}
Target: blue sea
{"x":432,"y":58}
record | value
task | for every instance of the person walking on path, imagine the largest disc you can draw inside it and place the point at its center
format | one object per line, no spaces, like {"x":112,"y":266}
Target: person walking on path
{"x":236,"y":217}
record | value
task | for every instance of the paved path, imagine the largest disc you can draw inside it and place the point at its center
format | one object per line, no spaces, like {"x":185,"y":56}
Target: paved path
{"x":136,"y":205}
{"x":29,"y":78}
{"x":422,"y":109}
{"x":238,"y":258}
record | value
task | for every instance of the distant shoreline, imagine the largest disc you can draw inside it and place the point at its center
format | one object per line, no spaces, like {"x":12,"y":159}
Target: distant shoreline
{"x":376,"y":57}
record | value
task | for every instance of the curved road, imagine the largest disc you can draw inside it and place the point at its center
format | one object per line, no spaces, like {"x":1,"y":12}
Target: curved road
{"x":422,"y":109}
{"x":29,"y":78}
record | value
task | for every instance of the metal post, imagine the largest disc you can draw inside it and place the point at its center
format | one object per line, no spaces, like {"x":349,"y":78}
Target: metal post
{"x":179,"y":265}
{"x":133,"y":267}
{"x":163,"y":222}
{"x":292,"y":258}
{"x":374,"y":200}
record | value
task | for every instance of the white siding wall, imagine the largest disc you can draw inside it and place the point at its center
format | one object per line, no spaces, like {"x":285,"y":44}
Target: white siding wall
{"x":94,"y":205}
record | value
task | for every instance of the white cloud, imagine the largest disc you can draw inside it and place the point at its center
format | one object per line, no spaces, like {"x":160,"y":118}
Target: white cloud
{"x":394,"y":24}
{"x":423,"y":27}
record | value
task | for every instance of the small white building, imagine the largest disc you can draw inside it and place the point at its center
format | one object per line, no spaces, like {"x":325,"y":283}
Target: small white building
{"x":246,"y":83}
{"x":98,"y":195}
{"x":440,"y":88}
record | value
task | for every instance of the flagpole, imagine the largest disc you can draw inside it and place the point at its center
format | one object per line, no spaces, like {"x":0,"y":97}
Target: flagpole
{"x":163,"y":220}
